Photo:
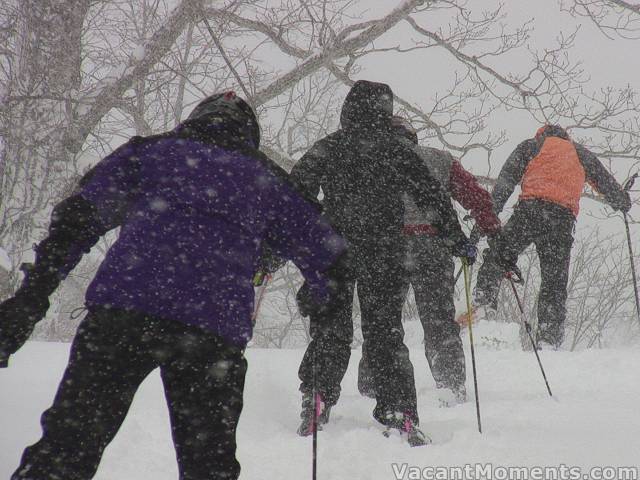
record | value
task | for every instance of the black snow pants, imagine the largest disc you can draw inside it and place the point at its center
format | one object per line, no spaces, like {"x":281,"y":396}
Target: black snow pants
{"x":111,"y":355}
{"x":550,"y":227}
{"x":380,"y":277}
{"x":429,"y":267}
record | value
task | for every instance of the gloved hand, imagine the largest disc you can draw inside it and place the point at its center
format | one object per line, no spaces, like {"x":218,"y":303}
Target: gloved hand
{"x":465,"y":249}
{"x":259,"y":278}
{"x":344,"y":267}
{"x":342,"y":270}
{"x":622,"y":204}
{"x":18,"y":317}
{"x":308,"y":305}
{"x":512,"y":272}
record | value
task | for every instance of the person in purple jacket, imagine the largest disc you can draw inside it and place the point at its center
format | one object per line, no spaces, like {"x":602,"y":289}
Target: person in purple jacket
{"x":195,"y":206}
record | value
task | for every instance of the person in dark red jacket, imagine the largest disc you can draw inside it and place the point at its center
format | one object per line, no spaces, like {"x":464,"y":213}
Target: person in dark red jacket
{"x":195,"y":206}
{"x":552,"y":171}
{"x":429,"y":268}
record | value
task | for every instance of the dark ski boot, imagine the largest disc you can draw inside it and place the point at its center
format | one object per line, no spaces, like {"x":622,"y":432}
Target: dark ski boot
{"x":407,"y":427}
{"x":307,"y":414}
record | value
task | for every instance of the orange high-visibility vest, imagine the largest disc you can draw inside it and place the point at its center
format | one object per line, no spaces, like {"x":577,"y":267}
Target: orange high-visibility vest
{"x":555,"y":174}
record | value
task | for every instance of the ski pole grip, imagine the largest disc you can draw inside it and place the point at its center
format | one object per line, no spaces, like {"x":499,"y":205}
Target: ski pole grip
{"x":514,"y":277}
{"x":4,"y":362}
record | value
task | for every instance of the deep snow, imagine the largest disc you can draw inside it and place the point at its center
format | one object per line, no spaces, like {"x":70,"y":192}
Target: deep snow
{"x":595,"y":420}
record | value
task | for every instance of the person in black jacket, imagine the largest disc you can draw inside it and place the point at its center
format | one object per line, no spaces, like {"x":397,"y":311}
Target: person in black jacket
{"x":552,"y":171}
{"x":429,"y":268}
{"x":364,"y":170}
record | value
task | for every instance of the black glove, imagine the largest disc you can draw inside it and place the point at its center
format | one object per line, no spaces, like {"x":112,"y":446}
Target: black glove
{"x":465,"y":249}
{"x":623,"y":203}
{"x":344,"y":267}
{"x":342,"y":270}
{"x":18,"y":316}
{"x":308,"y":306}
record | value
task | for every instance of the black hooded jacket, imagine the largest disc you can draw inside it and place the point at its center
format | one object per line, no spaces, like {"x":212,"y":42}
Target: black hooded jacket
{"x":363,"y":170}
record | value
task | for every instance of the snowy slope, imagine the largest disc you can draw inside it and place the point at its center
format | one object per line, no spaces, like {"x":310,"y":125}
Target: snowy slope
{"x":595,"y":421}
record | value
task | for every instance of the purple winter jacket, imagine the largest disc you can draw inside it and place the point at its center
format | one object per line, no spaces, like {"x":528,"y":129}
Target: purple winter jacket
{"x":193,"y":218}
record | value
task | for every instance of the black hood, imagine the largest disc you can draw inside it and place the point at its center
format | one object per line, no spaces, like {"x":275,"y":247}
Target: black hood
{"x":401,"y":126}
{"x":223,"y":115}
{"x":368,"y":106}
{"x":551,"y":131}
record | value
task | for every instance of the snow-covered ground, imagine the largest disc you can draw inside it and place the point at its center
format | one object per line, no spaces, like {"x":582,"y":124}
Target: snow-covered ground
{"x":594,"y":421}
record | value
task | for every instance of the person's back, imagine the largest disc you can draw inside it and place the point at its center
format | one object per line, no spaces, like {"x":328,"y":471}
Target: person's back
{"x":362,"y":194}
{"x":195,"y":206}
{"x":555,"y":174}
{"x":364,"y":170}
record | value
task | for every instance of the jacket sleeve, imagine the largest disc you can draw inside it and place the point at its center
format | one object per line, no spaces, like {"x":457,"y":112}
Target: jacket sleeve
{"x":74,"y":229}
{"x":78,"y":222}
{"x":305,"y":177}
{"x":602,"y":181}
{"x":308,"y":173}
{"x":299,"y":232}
{"x":466,"y":190}
{"x":512,"y":173}
{"x":428,"y":192}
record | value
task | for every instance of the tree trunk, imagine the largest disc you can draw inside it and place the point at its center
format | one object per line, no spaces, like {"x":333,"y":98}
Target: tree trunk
{"x":38,"y":108}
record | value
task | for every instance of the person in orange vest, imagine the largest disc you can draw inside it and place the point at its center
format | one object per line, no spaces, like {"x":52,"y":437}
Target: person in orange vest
{"x":552,"y":171}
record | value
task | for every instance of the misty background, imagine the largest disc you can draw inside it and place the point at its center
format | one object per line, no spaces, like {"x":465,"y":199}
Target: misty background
{"x":476,"y":77}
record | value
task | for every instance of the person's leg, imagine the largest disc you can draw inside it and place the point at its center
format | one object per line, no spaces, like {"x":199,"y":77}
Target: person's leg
{"x":366,"y":380}
{"x":204,"y":382}
{"x":108,"y":361}
{"x":381,"y":293}
{"x":432,"y":280}
{"x":518,"y":233}
{"x":554,"y":251}
{"x":329,"y":351}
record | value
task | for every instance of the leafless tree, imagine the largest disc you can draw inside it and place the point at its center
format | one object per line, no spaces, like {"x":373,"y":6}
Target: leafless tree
{"x":612,"y":17}
{"x":77,"y":77}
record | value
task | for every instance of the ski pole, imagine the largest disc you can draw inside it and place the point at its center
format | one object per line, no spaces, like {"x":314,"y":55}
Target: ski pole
{"x":627,"y":187}
{"x":314,"y":423}
{"x":467,"y":287}
{"x":260,"y":279}
{"x":527,"y":327}
{"x":455,"y":280}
